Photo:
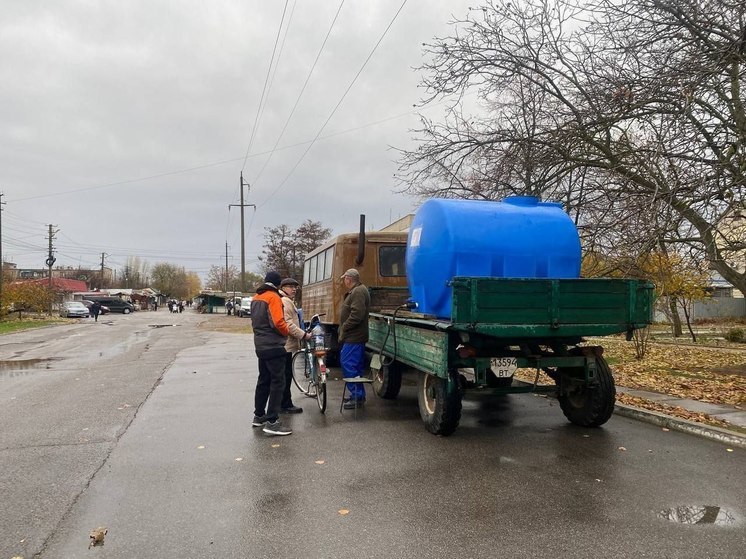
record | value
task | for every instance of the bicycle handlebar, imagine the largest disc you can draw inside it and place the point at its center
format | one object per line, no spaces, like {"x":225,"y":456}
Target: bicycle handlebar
{"x":314,"y":320}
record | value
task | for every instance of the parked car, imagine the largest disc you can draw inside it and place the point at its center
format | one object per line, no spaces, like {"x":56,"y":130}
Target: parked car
{"x":115,"y":304}
{"x":244,"y":307}
{"x":73,"y":309}
{"x":88,"y":304}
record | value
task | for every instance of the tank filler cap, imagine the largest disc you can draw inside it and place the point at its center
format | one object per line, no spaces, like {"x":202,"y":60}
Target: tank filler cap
{"x":522,"y":200}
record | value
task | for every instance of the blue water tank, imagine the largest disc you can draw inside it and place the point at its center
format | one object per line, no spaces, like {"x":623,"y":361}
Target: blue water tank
{"x":519,"y":237}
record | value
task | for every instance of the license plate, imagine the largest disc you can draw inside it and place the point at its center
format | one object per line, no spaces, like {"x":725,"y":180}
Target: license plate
{"x":503,"y":366}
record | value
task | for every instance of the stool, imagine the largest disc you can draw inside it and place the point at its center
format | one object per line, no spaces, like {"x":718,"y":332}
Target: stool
{"x":364,"y":380}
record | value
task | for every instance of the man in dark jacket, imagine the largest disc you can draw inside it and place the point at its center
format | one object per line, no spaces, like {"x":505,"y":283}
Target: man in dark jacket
{"x":270,"y":334}
{"x":353,"y":333}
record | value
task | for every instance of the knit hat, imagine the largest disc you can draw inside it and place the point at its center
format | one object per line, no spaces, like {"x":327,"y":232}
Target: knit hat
{"x":274,"y":278}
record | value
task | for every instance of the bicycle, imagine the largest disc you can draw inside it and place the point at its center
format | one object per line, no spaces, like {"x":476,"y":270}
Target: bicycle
{"x":309,"y":367}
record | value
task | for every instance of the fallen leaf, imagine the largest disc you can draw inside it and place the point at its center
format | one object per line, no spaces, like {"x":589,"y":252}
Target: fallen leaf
{"x":343,"y":512}
{"x":319,"y":462}
{"x":97,"y":536}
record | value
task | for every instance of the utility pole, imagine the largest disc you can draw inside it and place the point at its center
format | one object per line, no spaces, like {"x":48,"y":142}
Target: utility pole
{"x":243,"y":240}
{"x":50,"y":262}
{"x":2,"y":263}
{"x":226,"y":268}
{"x":101,"y":279}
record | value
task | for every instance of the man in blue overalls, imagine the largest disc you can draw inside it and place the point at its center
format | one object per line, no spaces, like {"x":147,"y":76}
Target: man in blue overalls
{"x":353,"y":334}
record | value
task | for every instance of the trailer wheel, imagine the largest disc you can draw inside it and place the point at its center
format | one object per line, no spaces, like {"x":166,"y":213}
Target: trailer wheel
{"x":440,"y":408}
{"x":387,"y":381}
{"x":587,"y":406}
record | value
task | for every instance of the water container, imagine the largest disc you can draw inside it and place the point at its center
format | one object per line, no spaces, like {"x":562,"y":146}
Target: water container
{"x":318,"y":337}
{"x":519,"y":237}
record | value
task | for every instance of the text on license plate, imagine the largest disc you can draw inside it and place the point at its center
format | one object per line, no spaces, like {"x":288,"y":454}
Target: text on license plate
{"x":503,"y":366}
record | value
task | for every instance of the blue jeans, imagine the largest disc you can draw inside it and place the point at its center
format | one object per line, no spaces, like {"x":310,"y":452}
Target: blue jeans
{"x":352,"y":357}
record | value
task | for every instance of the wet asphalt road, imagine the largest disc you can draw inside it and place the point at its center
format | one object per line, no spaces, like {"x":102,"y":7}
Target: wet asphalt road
{"x":145,"y":429}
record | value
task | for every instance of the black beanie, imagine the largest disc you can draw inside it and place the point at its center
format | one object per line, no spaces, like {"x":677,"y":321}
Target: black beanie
{"x":274,"y":278}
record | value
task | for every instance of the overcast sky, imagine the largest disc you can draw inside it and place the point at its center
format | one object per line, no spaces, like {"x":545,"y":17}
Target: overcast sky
{"x":126,"y":125}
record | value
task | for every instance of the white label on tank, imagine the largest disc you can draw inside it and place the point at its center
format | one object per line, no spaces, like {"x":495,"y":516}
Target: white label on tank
{"x":415,"y":242}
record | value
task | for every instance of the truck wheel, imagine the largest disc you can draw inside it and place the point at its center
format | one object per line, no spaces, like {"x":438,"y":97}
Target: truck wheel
{"x":587,"y":406}
{"x":439,"y":408}
{"x":387,"y":381}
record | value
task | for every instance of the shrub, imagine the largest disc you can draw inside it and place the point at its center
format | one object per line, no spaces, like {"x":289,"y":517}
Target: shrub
{"x":736,"y":335}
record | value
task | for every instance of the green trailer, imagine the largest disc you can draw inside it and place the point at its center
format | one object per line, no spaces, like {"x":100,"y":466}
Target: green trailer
{"x":499,"y":325}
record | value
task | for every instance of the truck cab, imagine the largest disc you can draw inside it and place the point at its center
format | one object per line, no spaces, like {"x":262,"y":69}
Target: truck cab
{"x":377,"y":255}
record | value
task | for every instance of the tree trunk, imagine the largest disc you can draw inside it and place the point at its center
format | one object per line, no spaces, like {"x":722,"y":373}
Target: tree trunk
{"x":675,"y":318}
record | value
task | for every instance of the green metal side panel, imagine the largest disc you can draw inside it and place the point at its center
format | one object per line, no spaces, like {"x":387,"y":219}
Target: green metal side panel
{"x":550,"y":307}
{"x":421,"y":348}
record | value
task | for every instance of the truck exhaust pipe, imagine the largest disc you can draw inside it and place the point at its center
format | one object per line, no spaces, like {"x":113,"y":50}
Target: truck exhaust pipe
{"x":361,"y":242}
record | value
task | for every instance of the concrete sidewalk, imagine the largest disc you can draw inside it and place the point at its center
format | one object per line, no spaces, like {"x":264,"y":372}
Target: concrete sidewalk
{"x":724,"y":412}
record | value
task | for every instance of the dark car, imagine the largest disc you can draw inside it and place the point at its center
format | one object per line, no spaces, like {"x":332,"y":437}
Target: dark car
{"x":89,"y":304}
{"x":115,"y":304}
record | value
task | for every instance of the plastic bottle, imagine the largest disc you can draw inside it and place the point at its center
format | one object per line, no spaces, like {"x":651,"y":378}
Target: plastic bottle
{"x":318,"y":337}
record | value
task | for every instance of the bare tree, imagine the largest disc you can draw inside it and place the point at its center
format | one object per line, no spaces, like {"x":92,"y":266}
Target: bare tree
{"x":632,"y":111}
{"x":285,"y":249}
{"x":219,"y":278}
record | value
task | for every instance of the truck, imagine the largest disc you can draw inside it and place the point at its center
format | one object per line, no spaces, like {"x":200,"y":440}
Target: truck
{"x":496,"y":286}
{"x":378,"y":256}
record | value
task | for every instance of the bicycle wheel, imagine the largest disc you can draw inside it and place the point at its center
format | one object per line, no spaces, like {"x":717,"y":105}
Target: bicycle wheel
{"x":302,"y":373}
{"x":321,"y":396}
{"x":320,"y":383}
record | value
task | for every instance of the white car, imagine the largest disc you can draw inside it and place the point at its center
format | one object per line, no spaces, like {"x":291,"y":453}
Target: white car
{"x":74,"y":309}
{"x":244,"y":307}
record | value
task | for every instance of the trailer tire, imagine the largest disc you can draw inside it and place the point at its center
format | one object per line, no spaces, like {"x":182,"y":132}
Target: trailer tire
{"x":589,"y":406}
{"x":387,"y":381}
{"x":440,"y":411}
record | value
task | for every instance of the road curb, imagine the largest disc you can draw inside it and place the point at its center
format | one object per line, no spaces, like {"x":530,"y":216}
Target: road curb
{"x":671,"y":422}
{"x":707,"y":431}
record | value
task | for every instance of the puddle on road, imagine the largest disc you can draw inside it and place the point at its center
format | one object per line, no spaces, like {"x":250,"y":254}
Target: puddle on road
{"x":15,"y":368}
{"x":125,"y":345}
{"x":698,"y":514}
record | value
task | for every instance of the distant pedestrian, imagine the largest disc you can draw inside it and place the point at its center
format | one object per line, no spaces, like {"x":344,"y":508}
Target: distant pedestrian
{"x":229,"y":307}
{"x":96,"y":310}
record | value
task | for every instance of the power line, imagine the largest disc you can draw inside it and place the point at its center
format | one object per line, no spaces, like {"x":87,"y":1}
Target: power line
{"x":300,"y":94}
{"x":215,"y":164}
{"x":264,"y":88}
{"x":334,"y":110}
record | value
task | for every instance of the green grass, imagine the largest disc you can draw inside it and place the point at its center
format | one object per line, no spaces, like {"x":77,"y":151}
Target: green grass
{"x":10,"y":325}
